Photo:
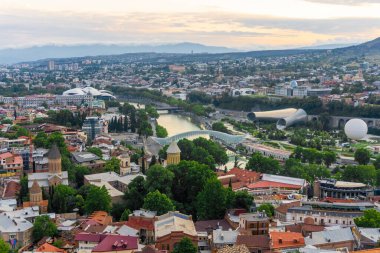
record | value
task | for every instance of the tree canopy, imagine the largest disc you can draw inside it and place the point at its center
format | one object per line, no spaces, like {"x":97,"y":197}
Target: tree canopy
{"x":97,"y":199}
{"x":370,"y":219}
{"x":362,"y":156}
{"x":159,"y":202}
{"x":185,"y":246}
{"x":43,"y":226}
{"x":159,"y":178}
{"x":268,"y":208}
{"x":263,"y":164}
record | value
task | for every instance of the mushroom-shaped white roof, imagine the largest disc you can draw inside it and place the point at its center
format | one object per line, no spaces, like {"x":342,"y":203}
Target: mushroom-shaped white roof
{"x":91,"y":91}
{"x":75,"y":91}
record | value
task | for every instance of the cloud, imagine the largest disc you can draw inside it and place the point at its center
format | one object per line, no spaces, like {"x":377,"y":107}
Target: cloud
{"x":345,"y":2}
{"x":221,"y":29}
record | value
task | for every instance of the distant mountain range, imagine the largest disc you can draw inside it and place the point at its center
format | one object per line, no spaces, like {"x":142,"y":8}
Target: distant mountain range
{"x":191,"y":51}
{"x":15,"y":55}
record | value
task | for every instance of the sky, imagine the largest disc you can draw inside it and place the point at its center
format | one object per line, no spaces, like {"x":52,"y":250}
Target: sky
{"x":239,"y":24}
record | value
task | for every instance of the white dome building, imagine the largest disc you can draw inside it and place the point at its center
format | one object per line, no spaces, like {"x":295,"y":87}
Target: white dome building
{"x":356,"y":129}
{"x":101,"y":94}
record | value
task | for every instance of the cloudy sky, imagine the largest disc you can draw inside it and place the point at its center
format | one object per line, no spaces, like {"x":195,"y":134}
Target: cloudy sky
{"x":242,"y":24}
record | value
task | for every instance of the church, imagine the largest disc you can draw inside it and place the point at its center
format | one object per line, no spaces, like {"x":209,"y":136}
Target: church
{"x":55,"y":176}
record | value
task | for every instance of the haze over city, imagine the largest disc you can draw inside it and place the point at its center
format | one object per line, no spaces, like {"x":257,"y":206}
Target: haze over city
{"x":240,"y":24}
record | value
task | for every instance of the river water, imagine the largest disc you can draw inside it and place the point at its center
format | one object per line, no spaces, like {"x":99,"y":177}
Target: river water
{"x":176,"y":124}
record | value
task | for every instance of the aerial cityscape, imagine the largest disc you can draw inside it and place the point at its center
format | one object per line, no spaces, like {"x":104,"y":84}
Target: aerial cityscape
{"x":190,"y":127}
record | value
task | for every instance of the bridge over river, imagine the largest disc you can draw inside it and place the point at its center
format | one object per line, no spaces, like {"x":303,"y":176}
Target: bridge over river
{"x":223,"y":137}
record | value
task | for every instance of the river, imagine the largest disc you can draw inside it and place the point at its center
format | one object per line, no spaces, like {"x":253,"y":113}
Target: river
{"x":176,"y":124}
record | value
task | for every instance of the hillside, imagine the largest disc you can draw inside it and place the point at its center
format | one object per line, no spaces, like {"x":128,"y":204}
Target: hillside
{"x":369,"y":48}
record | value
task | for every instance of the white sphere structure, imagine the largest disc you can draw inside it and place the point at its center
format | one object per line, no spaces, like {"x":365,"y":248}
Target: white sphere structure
{"x":356,"y":129}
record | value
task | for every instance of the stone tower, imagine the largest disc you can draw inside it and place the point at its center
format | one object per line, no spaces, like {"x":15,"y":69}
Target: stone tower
{"x":35,"y":194}
{"x":54,"y":160}
{"x":173,"y":154}
{"x":125,"y":164}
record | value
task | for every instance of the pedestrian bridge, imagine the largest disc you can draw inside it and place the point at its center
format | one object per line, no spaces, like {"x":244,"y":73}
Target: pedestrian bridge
{"x":223,"y":137}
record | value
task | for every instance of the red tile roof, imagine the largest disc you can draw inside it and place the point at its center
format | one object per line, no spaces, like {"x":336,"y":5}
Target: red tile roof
{"x":269,"y":184}
{"x":6,"y":155}
{"x":246,"y":176}
{"x":281,"y":240}
{"x":117,"y":243}
{"x":46,"y":247}
{"x":138,"y":223}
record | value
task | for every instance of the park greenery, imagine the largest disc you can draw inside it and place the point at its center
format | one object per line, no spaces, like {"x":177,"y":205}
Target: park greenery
{"x":311,"y":164}
{"x":187,"y":187}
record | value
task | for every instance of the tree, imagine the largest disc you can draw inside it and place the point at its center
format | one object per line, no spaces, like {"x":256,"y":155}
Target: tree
{"x":190,"y":177}
{"x":156,"y":201}
{"x":153,"y":161}
{"x":125,"y":215}
{"x":267,"y":208}
{"x":159,"y":178}
{"x":362,"y":156}
{"x":161,"y":131}
{"x":112,"y":164}
{"x":185,"y":246}
{"x":263,"y":164}
{"x":4,"y":247}
{"x":134,"y":196}
{"x":40,"y":141}
{"x":63,"y":199}
{"x":376,"y":163}
{"x":43,"y":226}
{"x":96,"y":151}
{"x":370,"y":219}
{"x":212,"y":201}
{"x":329,"y":157}
{"x":242,"y":199}
{"x":23,"y":194}
{"x":219,"y":126}
{"x":97,"y":199}
{"x":365,"y":174}
{"x":80,"y":172}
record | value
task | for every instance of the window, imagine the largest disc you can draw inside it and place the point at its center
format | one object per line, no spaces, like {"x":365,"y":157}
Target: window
{"x":336,"y":221}
{"x":315,"y":219}
{"x":329,"y":220}
{"x":350,"y":222}
{"x":344,"y":222}
{"x":300,"y":218}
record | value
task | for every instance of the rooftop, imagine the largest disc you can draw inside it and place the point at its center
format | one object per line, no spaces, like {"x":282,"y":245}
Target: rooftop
{"x":82,"y":157}
{"x":330,"y":236}
{"x":174,"y":221}
{"x":173,"y":148}
{"x":112,"y":243}
{"x":281,"y":240}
